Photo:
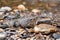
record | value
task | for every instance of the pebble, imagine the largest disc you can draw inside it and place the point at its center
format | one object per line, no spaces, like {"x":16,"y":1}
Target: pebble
{"x":21,"y":7}
{"x":56,"y":35}
{"x":44,"y":20}
{"x":35,"y":11}
{"x":1,"y":30}
{"x":30,"y":30}
{"x":1,"y":10}
{"x":2,"y":35}
{"x":6,"y":8}
{"x":58,"y":39}
{"x":44,"y":28}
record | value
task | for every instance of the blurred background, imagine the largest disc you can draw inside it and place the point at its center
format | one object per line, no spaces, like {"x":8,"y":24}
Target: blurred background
{"x":31,"y":4}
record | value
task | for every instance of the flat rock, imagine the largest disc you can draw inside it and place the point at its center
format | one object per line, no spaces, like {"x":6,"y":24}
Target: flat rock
{"x":46,"y":28}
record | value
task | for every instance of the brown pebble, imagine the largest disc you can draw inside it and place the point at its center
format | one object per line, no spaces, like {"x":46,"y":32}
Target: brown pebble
{"x":46,"y":28}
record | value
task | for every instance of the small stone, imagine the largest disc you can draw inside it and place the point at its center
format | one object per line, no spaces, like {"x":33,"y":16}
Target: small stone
{"x":19,"y":39}
{"x":46,"y":28}
{"x":2,"y":34}
{"x":56,"y":35}
{"x":28,"y":38}
{"x":1,"y":10}
{"x":43,"y":20}
{"x":20,"y":30}
{"x":1,"y":30}
{"x":6,"y":8}
{"x":30,"y":30}
{"x":58,"y":39}
{"x":35,"y":10}
{"x":21,"y":7}
{"x":15,"y":10}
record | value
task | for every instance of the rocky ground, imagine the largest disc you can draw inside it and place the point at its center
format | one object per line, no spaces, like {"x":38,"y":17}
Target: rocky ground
{"x":40,"y":22}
